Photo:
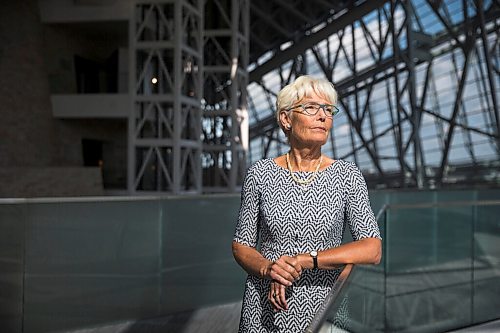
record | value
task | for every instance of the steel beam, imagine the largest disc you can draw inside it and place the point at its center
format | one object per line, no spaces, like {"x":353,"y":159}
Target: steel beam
{"x":165,"y":75}
{"x":306,"y":43}
{"x":225,"y":115}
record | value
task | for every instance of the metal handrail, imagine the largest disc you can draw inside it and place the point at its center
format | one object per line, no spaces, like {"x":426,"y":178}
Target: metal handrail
{"x":332,"y":296}
{"x":381,"y":211}
{"x":444,"y":204}
{"x":118,"y":198}
{"x":387,"y":207}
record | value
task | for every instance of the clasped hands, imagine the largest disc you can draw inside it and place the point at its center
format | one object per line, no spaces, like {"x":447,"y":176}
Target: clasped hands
{"x":283,"y":273}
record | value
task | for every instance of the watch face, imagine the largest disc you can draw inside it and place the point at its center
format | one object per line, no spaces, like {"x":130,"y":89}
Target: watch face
{"x":314,"y":253}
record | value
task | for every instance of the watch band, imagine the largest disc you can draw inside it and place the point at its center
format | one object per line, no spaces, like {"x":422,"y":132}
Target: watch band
{"x":314,"y":255}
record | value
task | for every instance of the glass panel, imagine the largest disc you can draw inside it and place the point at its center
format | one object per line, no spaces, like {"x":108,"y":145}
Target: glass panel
{"x":89,"y":263}
{"x":11,"y":266}
{"x":487,"y":264}
{"x":198,"y":268}
{"x":437,"y":309}
{"x":441,"y":270}
{"x":356,"y":306}
{"x":428,"y":270}
{"x":364,"y":299}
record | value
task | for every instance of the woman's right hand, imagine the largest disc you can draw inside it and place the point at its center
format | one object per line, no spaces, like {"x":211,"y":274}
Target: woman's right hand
{"x":285,"y":270}
{"x":276,"y":296}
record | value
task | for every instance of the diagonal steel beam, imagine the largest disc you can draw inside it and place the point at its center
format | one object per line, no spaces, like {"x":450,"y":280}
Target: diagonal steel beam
{"x":269,"y":20}
{"x":456,"y":107}
{"x":356,"y":125}
{"x":303,"y":45}
{"x":288,"y":7}
{"x":489,"y":67}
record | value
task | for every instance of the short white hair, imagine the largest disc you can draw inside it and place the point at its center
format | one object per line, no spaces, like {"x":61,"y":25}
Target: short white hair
{"x":304,"y":86}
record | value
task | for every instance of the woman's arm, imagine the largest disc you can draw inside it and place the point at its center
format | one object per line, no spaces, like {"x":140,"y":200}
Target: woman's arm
{"x":363,"y":251}
{"x":285,"y":270}
{"x":251,"y":260}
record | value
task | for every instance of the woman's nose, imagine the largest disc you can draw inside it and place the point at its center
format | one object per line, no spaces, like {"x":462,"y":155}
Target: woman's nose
{"x":322,"y":113}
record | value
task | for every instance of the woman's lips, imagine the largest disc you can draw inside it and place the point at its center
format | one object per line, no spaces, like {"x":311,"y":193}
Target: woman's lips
{"x":319,"y":128}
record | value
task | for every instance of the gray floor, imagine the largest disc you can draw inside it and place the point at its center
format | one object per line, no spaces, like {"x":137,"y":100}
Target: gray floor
{"x":490,"y":327}
{"x":217,"y":319}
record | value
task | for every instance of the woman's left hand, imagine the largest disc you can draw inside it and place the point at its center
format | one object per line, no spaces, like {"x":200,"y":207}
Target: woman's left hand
{"x":285,"y":270}
{"x":277,"y":296}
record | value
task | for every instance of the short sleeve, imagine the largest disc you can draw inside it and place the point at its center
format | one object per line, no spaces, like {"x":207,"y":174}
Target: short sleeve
{"x":247,"y":227}
{"x":359,"y":213}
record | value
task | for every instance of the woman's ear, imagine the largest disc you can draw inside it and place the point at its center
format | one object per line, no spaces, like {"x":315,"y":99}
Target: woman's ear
{"x":285,"y":120}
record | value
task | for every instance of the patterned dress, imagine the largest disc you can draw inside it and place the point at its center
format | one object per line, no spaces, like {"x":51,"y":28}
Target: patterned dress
{"x":286,"y":218}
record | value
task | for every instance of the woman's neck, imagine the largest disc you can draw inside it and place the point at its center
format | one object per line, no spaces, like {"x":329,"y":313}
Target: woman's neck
{"x":305,"y":159}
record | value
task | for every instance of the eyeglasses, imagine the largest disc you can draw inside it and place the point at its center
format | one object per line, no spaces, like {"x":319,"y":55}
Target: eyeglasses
{"x":312,"y":109}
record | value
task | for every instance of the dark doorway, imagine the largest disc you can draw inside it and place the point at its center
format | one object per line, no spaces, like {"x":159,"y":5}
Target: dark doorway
{"x":92,"y":152}
{"x":97,"y":76}
{"x":87,"y":75}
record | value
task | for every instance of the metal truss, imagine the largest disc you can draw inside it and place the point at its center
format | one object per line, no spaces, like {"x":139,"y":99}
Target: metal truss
{"x":225,"y":119}
{"x":418,"y":88}
{"x":165,"y":80}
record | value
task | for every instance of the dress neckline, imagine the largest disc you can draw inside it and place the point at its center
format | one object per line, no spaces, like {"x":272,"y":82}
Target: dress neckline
{"x":302,"y":172}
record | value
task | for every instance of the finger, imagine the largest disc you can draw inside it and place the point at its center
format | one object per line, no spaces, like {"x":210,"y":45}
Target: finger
{"x":274,"y":297}
{"x":281,"y":275}
{"x":276,"y":305}
{"x":285,"y":271}
{"x":282,"y":297}
{"x":280,"y":291}
{"x":282,"y":278}
{"x":270,"y":297}
{"x":276,"y":291}
{"x":291,"y":266}
{"x":295,"y":264}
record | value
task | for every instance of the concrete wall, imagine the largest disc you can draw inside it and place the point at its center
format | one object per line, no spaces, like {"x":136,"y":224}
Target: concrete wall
{"x":50,"y":182}
{"x":27,"y":129}
{"x":113,"y":134}
{"x":94,"y":41}
{"x":31,"y":56}
{"x":95,"y":106}
{"x":55,"y":11}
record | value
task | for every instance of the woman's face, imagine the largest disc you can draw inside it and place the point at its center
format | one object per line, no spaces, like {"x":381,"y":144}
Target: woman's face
{"x":309,"y":130}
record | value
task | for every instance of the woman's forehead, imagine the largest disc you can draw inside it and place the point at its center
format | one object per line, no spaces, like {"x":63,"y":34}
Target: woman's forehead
{"x":315,"y":97}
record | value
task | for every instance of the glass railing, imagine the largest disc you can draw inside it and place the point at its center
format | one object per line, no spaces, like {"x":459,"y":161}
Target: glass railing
{"x":81,"y":262}
{"x":67,"y":264}
{"x":440,"y":271}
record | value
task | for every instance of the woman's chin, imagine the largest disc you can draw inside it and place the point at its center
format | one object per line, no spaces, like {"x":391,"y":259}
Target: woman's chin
{"x":316,"y":141}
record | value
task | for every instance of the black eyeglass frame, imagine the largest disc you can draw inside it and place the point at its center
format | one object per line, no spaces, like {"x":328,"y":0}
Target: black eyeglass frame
{"x":317,"y":106}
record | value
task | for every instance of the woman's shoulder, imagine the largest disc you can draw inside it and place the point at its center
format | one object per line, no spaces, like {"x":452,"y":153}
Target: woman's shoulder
{"x":345,"y":169}
{"x":262,"y":166}
{"x":346,"y":164}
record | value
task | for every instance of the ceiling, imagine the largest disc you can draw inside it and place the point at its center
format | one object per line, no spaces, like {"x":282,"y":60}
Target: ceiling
{"x":273,"y":23}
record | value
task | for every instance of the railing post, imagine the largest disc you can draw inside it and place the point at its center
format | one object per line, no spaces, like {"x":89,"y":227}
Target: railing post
{"x":386,"y":265}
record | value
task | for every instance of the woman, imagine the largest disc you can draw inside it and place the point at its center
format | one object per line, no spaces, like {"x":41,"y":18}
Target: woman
{"x":295,"y":206}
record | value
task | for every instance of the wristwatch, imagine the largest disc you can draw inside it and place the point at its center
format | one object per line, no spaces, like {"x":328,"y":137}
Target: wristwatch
{"x":314,"y":255}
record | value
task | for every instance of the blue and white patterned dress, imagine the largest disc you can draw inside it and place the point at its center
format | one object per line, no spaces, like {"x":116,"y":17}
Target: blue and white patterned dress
{"x":287,"y":219}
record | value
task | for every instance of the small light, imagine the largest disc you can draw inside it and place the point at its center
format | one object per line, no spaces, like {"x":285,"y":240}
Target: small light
{"x":154,"y":80}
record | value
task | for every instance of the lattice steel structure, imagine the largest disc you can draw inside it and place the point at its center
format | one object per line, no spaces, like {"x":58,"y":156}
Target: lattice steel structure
{"x":225,"y":119}
{"x":418,"y":84}
{"x":166,"y":72}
